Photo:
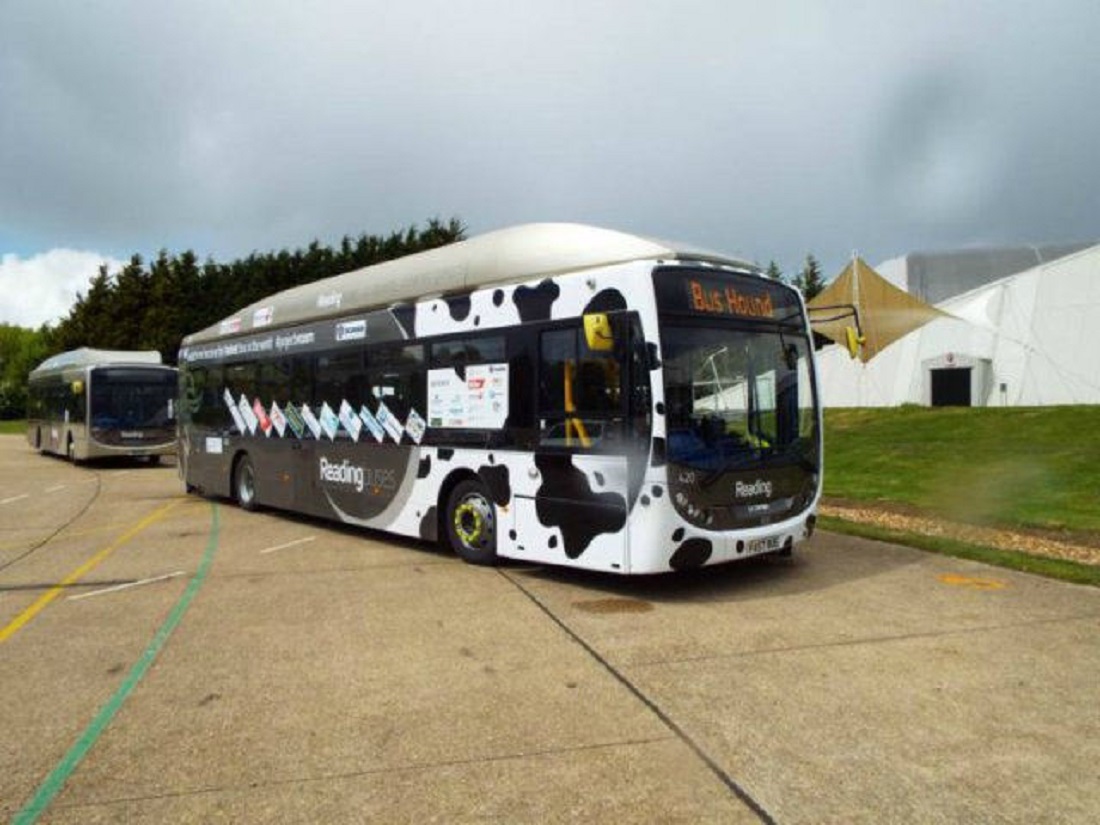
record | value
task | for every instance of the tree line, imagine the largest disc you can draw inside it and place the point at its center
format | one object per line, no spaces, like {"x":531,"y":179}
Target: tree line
{"x":153,"y":305}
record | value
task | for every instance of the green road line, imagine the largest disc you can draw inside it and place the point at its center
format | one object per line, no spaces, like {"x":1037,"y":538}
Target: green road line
{"x":60,"y":774}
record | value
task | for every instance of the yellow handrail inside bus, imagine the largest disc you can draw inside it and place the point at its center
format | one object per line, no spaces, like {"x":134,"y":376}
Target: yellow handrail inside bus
{"x":572,"y":423}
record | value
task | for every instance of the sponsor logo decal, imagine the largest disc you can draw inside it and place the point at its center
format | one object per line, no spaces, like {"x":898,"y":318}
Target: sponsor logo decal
{"x":352,"y":330}
{"x":262,"y":316}
{"x":278,"y":420}
{"x":295,"y":420}
{"x":330,"y":300}
{"x":350,"y":420}
{"x":262,"y":417}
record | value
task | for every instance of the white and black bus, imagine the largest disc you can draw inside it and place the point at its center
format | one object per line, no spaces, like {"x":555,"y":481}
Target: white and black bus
{"x":90,"y":403}
{"x":552,"y":392}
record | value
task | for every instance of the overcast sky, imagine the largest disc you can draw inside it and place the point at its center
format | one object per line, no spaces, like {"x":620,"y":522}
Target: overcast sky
{"x":771,"y":130}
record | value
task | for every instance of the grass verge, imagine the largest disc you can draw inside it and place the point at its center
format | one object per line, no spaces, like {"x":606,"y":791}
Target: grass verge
{"x":1015,"y":467}
{"x":13,"y":427}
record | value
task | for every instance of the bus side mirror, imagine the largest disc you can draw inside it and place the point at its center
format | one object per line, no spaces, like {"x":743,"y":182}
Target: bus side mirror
{"x":597,"y":332}
{"x":854,"y":341}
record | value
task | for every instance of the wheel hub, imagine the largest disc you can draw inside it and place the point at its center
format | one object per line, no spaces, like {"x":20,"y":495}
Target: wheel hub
{"x":473,"y":522}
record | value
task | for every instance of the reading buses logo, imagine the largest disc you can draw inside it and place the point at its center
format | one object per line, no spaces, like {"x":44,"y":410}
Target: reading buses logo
{"x":760,"y":487}
{"x":349,"y":475}
{"x":343,"y":473}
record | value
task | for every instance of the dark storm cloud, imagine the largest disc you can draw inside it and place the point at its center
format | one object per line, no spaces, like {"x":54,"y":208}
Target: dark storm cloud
{"x":772,"y":132}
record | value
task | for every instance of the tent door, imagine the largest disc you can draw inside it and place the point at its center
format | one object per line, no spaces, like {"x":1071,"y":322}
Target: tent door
{"x":951,"y":387}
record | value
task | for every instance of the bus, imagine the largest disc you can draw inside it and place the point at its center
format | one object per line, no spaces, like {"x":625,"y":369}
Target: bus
{"x":90,"y":403}
{"x":555,"y":393}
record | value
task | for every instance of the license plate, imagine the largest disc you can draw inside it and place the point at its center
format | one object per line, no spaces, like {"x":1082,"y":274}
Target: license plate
{"x":763,"y":545}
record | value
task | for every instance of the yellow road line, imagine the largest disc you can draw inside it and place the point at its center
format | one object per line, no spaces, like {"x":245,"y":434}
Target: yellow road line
{"x":75,"y":576}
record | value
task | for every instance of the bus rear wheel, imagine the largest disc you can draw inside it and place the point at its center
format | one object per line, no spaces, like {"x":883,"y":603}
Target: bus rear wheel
{"x":244,"y":484}
{"x":471,"y":523}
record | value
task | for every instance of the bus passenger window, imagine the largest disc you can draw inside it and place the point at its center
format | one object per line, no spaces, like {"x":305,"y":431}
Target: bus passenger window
{"x":395,"y":377}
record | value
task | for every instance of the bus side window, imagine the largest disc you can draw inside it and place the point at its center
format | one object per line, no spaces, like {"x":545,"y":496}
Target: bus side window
{"x":274,"y":385}
{"x":207,"y":402}
{"x":340,"y":377}
{"x":396,"y":378}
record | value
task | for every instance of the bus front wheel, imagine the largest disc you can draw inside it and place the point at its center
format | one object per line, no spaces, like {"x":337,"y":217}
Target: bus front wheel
{"x":244,"y":483}
{"x":471,"y":524}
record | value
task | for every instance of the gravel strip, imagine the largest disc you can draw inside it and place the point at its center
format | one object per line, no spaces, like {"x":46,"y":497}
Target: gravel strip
{"x":984,"y":536}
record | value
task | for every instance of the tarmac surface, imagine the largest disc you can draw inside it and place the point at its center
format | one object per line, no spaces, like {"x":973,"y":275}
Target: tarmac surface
{"x":170,"y":658}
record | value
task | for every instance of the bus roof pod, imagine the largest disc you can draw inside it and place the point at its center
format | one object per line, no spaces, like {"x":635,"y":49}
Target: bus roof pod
{"x":512,"y":255}
{"x":86,"y":356}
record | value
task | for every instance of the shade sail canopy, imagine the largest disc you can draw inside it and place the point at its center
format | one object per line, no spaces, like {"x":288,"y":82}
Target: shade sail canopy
{"x":886,"y":313}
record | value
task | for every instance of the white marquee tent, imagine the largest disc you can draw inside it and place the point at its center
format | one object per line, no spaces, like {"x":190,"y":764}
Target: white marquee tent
{"x":1029,"y":339}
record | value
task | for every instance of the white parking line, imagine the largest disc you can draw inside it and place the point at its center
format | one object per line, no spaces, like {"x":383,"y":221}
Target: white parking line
{"x":56,"y":489}
{"x":126,"y":586}
{"x":288,"y":544}
{"x":14,"y":498}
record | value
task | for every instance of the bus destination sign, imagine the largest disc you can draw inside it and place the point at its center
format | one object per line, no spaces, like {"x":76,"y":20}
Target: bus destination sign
{"x":729,"y":295}
{"x":728,"y":300}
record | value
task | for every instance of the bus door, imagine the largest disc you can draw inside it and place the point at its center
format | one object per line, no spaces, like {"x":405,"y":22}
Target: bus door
{"x":585,"y":458}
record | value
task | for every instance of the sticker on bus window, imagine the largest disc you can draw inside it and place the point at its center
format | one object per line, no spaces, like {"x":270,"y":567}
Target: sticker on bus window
{"x":487,"y":395}
{"x":311,"y":421}
{"x":350,"y":420}
{"x":329,"y":422}
{"x":389,"y":421}
{"x":294,"y":419}
{"x":278,"y":420}
{"x":415,"y":426}
{"x":372,"y":424}
{"x":247,"y":414}
{"x":351,"y":330}
{"x":262,"y":417}
{"x":231,"y":405}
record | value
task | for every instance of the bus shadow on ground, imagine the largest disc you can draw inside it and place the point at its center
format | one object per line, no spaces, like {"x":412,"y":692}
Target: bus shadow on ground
{"x":121,"y":462}
{"x":825,"y":562}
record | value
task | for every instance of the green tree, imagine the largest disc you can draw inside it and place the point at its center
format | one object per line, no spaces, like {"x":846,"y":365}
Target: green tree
{"x":21,"y":350}
{"x":774,"y":272}
{"x":809,"y":280}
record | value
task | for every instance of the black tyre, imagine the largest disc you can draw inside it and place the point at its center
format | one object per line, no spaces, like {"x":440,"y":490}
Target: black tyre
{"x":471,"y":523}
{"x":244,"y":484}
